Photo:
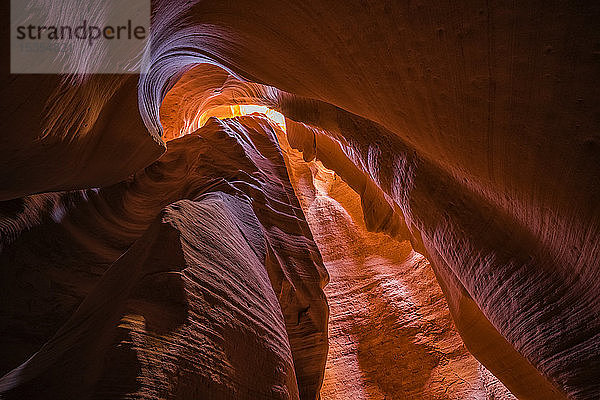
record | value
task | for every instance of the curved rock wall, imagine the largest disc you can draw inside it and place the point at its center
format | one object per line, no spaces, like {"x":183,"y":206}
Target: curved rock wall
{"x":221,"y":296}
{"x":413,"y":188}
{"x":390,"y":331}
{"x":474,"y":269}
{"x":477,"y":121}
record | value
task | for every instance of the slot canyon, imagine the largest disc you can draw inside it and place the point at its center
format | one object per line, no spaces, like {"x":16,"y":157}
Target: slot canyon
{"x":302,"y":200}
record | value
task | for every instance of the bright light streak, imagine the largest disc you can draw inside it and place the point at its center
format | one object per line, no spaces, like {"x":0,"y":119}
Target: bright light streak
{"x":238,"y":110}
{"x":275,"y":117}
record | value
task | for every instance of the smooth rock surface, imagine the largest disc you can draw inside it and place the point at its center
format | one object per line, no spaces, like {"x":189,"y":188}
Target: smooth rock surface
{"x":477,"y":122}
{"x":221,"y":297}
{"x":390,"y":331}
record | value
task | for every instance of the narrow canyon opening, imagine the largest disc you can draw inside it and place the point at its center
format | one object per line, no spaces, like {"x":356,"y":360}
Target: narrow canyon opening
{"x":390,"y":331}
{"x":301,"y":201}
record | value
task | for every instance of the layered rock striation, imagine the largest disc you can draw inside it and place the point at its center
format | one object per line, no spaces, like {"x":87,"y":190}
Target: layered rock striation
{"x":196,"y":277}
{"x":469,"y":130}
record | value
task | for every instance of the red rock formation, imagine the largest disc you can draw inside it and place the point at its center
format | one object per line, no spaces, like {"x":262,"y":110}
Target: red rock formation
{"x":470,"y":130}
{"x":227,"y":285}
{"x":390,"y":331}
{"x":415,"y":184}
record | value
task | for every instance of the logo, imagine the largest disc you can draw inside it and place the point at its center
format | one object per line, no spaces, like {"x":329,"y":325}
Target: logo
{"x":75,"y":36}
